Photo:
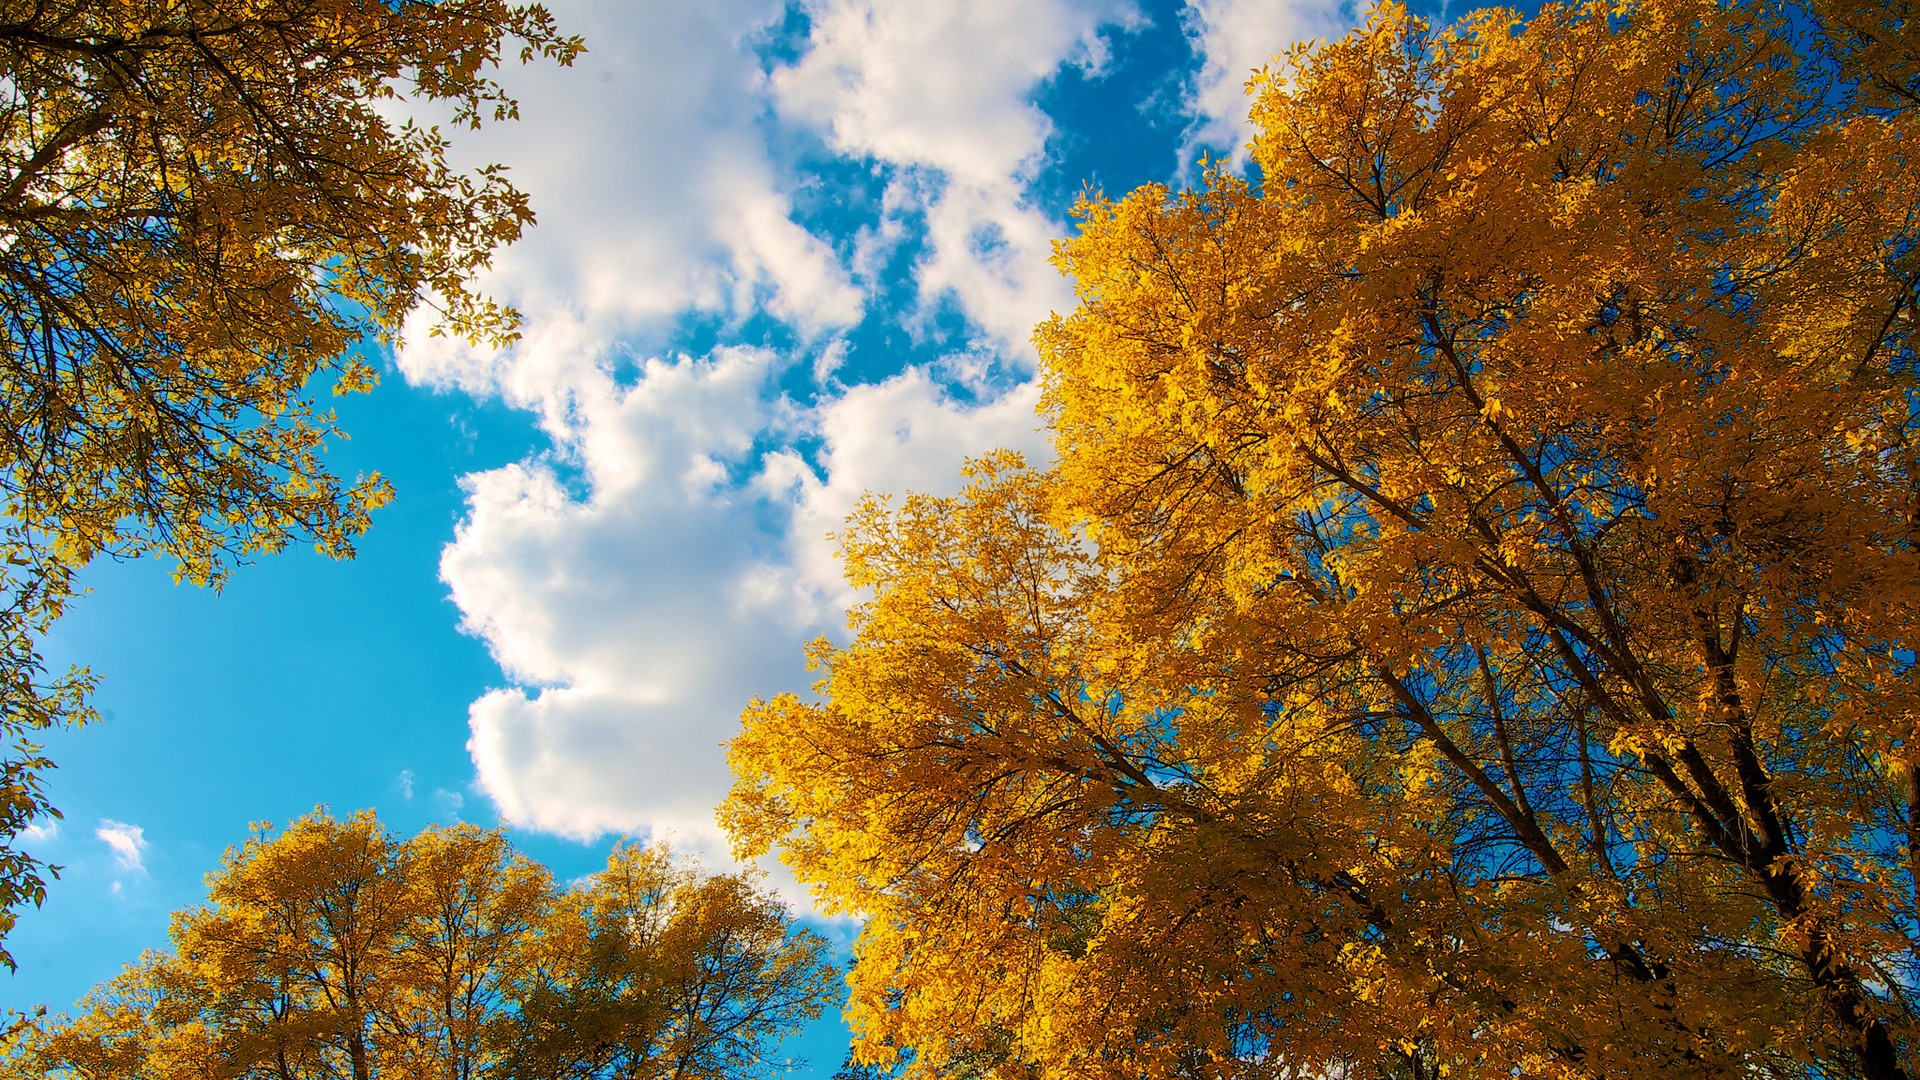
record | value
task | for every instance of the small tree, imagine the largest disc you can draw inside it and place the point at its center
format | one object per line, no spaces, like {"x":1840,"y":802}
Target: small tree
{"x":335,"y":950}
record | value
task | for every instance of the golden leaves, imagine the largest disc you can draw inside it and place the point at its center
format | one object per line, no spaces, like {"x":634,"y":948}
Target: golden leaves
{"x":333,"y":949}
{"x":1468,"y":626}
{"x":236,"y":221}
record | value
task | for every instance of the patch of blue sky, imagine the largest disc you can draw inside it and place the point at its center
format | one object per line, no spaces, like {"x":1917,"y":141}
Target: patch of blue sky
{"x":698,"y":332}
{"x":782,"y":43}
{"x":305,"y":682}
{"x":834,"y":195}
{"x":1120,"y":123}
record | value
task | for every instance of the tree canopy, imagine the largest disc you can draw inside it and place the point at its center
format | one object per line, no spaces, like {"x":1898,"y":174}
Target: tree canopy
{"x":334,"y":950}
{"x":1469,"y":624}
{"x":205,"y":206}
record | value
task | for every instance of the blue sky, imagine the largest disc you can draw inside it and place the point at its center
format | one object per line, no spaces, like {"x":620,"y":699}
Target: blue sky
{"x":786,"y":254}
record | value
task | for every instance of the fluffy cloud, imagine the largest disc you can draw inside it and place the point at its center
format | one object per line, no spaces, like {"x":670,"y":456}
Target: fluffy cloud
{"x":1235,"y":37}
{"x":128,"y":842}
{"x":639,"y":615}
{"x":943,"y":90}
{"x":610,"y":606}
{"x":656,"y":195}
{"x":944,"y":83}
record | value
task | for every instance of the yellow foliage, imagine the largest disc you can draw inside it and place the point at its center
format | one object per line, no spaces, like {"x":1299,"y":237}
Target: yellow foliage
{"x":1469,"y":628}
{"x":335,"y":950}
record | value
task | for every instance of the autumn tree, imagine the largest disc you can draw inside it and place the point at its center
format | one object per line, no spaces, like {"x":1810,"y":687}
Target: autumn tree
{"x":334,"y":950}
{"x":654,"y":970}
{"x":1469,"y":626}
{"x":205,"y":206}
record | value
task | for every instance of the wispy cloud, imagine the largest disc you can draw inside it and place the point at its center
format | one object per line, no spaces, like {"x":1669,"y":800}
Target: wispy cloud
{"x":129,"y":842}
{"x":44,"y":831}
{"x":405,"y":783}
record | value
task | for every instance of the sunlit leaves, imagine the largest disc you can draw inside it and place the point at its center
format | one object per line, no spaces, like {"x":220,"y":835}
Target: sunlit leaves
{"x":1469,"y":624}
{"x":335,"y":950}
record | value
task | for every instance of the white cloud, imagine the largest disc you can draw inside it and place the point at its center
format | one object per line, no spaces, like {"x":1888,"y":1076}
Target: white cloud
{"x":943,"y":83}
{"x":904,"y":434}
{"x":642,"y":614}
{"x":560,"y":587}
{"x":992,"y":253}
{"x":610,"y":606}
{"x":128,"y":842}
{"x":813,"y":293}
{"x":656,"y":196}
{"x":946,"y":87}
{"x":583,"y":763}
{"x":1235,"y":37}
{"x":405,"y":783}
